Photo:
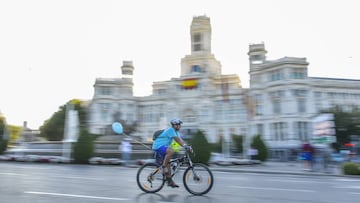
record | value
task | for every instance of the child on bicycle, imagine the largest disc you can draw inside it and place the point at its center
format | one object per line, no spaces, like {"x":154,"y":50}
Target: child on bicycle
{"x":161,"y":145}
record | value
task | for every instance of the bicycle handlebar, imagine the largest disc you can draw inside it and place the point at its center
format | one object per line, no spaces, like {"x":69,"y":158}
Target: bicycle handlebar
{"x":188,"y":148}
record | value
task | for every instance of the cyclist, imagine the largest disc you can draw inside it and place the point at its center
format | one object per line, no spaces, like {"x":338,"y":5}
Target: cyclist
{"x":161,"y":146}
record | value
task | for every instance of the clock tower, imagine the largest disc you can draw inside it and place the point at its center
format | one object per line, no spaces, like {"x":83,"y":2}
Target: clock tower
{"x":200,"y":32}
{"x":201,"y":61}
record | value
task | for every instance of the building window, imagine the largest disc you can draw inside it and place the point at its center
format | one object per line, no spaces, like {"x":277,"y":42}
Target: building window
{"x":298,"y":73}
{"x":276,"y":106}
{"x":276,"y":75}
{"x":276,"y":101}
{"x":299,"y":92}
{"x":105,"y":91}
{"x":301,"y":105}
{"x":161,"y":91}
{"x":279,"y":130}
{"x":300,"y":95}
{"x":104,"y":111}
{"x":258,"y":105}
{"x":197,"y":39}
{"x":301,"y":130}
{"x":196,"y":68}
{"x":260,"y":129}
{"x":256,"y":57}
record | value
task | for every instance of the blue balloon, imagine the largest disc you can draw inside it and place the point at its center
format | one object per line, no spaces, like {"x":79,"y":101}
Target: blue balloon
{"x":117,"y":128}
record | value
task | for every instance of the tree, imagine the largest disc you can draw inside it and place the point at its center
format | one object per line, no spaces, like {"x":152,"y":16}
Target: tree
{"x":53,"y":128}
{"x":258,"y":143}
{"x":347,"y":123}
{"x":237,"y":143}
{"x":84,"y":147}
{"x":217,"y":146}
{"x":201,"y":147}
{"x":3,"y":135}
{"x":14,"y":132}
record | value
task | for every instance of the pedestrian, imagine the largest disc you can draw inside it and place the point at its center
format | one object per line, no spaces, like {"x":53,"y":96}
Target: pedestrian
{"x":252,"y":153}
{"x":126,"y":148}
{"x":307,"y":156}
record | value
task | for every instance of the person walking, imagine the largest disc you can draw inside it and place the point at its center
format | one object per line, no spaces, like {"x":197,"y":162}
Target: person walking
{"x":126,"y":148}
{"x":308,"y":156}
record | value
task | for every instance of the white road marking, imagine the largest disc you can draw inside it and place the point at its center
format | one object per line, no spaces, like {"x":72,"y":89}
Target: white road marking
{"x":348,"y":187}
{"x":277,"y":189}
{"x":292,"y":181}
{"x":348,"y":180}
{"x":75,"y":177}
{"x":12,"y":174}
{"x":78,"y":196}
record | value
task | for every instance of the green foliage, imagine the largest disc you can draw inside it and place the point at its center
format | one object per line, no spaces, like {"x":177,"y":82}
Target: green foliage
{"x":84,"y":148}
{"x":3,"y":138}
{"x":3,"y":146}
{"x":53,"y":128}
{"x":237,"y":143}
{"x":350,"y":168}
{"x":2,"y":125}
{"x":14,"y":133}
{"x":347,"y":123}
{"x":258,"y":143}
{"x":201,"y":147}
{"x":217,"y":147}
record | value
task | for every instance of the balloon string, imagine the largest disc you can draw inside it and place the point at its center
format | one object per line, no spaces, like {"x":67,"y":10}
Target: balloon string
{"x":147,"y":147}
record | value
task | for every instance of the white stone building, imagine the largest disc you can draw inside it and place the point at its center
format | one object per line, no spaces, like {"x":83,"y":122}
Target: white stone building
{"x":287,"y":100}
{"x":280,"y":103}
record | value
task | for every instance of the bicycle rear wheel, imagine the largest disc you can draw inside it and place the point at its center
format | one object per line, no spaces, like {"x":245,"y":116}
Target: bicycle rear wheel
{"x":149,"y":178}
{"x":198,"y":179}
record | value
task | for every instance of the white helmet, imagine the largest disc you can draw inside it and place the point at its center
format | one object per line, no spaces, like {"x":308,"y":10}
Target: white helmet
{"x":176,"y":121}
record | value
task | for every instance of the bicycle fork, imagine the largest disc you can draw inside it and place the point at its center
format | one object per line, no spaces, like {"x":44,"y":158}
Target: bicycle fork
{"x":196,"y":176}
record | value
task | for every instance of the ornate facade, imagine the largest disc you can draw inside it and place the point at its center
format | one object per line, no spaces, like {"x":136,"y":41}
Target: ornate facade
{"x":280,"y":103}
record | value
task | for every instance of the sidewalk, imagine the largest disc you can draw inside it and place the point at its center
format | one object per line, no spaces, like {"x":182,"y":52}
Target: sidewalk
{"x":293,"y":168}
{"x":270,"y":167}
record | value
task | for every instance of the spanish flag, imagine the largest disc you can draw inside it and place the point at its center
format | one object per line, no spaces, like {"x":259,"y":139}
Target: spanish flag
{"x":189,"y":83}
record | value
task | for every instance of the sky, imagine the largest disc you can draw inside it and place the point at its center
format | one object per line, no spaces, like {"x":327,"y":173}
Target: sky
{"x":53,"y":51}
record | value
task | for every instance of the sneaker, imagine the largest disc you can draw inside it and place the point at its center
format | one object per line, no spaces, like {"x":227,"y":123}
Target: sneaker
{"x":171,"y":183}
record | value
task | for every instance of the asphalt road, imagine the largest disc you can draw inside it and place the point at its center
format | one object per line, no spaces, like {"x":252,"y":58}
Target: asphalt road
{"x":35,"y":182}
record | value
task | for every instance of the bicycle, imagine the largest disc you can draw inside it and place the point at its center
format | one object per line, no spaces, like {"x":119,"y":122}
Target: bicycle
{"x":197,"y":177}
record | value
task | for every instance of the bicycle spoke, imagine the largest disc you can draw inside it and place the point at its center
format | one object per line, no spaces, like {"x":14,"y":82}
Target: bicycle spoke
{"x":149,"y":178}
{"x":198,"y":180}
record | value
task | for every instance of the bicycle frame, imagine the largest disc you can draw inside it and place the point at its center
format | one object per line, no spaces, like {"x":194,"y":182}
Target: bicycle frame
{"x":180,"y":161}
{"x":185,"y":159}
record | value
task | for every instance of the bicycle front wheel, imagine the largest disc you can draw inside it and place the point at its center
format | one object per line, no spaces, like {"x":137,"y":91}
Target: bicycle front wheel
{"x":149,"y":178}
{"x":198,"y":179}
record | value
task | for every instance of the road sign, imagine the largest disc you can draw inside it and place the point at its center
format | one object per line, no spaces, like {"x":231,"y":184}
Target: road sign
{"x":323,"y":140}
